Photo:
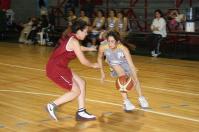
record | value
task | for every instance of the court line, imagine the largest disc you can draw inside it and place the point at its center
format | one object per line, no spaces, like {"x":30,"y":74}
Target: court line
{"x":110,"y":103}
{"x":174,"y":91}
{"x":167,"y":90}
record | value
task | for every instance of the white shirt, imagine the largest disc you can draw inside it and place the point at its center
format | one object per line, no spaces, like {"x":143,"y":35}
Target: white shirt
{"x":161,"y":25}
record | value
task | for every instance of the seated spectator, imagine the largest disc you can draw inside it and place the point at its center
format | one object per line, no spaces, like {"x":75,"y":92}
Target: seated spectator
{"x":27,"y":27}
{"x":97,"y":27}
{"x":158,"y":27}
{"x":32,"y":36}
{"x":121,"y":23}
{"x":132,"y":22}
{"x":71,"y":17}
{"x":41,"y":29}
{"x":111,"y":21}
{"x":99,"y":21}
{"x":175,"y":20}
{"x":84,"y":17}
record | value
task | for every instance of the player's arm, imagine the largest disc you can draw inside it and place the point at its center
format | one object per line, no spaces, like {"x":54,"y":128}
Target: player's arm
{"x":130,"y":62}
{"x":100,"y":61}
{"x":83,"y":48}
{"x":75,"y":46}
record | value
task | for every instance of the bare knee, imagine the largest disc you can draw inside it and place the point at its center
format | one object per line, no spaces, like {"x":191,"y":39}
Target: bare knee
{"x":76,"y":91}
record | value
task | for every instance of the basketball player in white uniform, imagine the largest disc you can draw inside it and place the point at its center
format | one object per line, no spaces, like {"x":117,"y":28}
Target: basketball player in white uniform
{"x":120,"y":61}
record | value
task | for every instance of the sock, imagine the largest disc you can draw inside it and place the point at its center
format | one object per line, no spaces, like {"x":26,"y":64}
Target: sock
{"x":54,"y":105}
{"x":81,"y":109}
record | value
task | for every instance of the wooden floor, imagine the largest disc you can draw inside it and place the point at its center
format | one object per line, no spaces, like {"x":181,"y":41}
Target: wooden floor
{"x":171,"y":87}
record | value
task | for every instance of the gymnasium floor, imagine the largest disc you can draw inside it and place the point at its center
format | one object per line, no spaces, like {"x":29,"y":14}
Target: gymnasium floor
{"x":170,"y":86}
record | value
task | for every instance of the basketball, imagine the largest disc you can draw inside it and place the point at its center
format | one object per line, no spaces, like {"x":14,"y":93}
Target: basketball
{"x":124,"y":83}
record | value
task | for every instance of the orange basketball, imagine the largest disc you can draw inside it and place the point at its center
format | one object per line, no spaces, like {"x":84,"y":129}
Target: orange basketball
{"x":124,"y":83}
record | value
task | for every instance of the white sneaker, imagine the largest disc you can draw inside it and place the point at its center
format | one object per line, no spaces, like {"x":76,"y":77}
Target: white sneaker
{"x":152,"y":52}
{"x":156,"y":54}
{"x":84,"y":116}
{"x":51,"y":110}
{"x":128,"y":106}
{"x":143,"y":102}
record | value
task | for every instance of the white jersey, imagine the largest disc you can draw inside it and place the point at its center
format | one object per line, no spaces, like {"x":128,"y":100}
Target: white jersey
{"x":161,"y":25}
{"x":116,"y":57}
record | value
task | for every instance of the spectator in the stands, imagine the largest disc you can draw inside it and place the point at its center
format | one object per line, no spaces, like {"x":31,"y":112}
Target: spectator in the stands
{"x":122,"y":23}
{"x":84,"y":17}
{"x":99,"y":21}
{"x":112,"y":20}
{"x":36,"y":27}
{"x":27,"y":27}
{"x":71,"y":17}
{"x":176,"y":20}
{"x":158,"y":28}
{"x":97,"y":26}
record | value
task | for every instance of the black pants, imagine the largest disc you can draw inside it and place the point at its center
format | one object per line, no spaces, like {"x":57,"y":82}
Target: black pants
{"x":156,"y":39}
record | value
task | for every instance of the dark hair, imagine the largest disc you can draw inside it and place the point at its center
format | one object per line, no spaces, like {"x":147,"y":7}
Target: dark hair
{"x":78,"y":25}
{"x":114,"y":11}
{"x":114,"y":34}
{"x":101,"y":11}
{"x":159,"y":11}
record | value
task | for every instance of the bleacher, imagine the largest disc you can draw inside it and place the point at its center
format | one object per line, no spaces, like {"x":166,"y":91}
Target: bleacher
{"x":144,"y":15}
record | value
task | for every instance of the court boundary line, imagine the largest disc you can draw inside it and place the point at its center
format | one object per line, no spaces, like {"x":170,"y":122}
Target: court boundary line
{"x":148,"y":87}
{"x":109,"y":103}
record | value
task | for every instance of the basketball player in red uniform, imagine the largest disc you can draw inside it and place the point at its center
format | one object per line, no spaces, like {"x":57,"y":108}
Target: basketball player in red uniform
{"x":120,"y":61}
{"x":58,"y":71}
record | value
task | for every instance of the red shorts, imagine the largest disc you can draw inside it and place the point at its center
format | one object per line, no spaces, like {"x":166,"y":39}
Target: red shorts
{"x":63,"y":79}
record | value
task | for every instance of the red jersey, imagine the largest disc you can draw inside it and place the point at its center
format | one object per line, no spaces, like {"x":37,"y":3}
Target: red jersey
{"x":57,"y":67}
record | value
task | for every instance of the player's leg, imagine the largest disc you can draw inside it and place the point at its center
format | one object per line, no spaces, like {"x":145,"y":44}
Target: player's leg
{"x":82,"y":114}
{"x":142,"y":101}
{"x":72,"y":94}
{"x":128,"y":106}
